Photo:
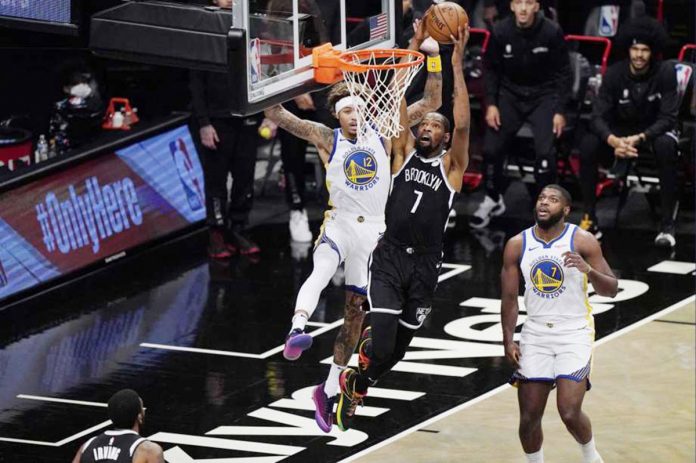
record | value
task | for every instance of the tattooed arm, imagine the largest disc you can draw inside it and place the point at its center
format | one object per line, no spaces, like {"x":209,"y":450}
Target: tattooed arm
{"x":432,"y":94}
{"x":318,"y":134}
{"x":431,"y":101}
{"x":459,"y":149}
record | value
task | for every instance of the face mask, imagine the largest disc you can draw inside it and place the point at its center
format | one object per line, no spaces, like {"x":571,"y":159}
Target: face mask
{"x":81,"y":90}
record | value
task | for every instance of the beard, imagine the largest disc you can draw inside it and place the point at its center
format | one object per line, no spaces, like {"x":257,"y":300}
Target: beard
{"x":427,"y":151}
{"x":549,"y":222}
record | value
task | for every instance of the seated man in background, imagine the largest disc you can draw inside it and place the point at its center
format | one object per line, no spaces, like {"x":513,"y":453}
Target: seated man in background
{"x":528,"y":77}
{"x":635,"y":112}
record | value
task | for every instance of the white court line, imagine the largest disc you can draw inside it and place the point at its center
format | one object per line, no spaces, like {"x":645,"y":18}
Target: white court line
{"x":499,"y":389}
{"x":197,"y":350}
{"x":83,"y":433}
{"x":67,"y":439}
{"x":319,"y":324}
{"x":324,"y":327}
{"x":63,"y":401}
{"x":264,"y":355}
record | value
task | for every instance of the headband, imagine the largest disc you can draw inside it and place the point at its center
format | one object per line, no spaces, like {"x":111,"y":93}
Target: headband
{"x":348,"y":101}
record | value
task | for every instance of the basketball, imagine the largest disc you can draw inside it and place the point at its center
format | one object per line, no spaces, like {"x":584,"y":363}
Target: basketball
{"x":443,"y":19}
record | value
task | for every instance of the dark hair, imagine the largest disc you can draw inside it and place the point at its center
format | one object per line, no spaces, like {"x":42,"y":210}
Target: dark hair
{"x":338,"y":91}
{"x":566,"y":195}
{"x":642,"y":30}
{"x":124,"y":408}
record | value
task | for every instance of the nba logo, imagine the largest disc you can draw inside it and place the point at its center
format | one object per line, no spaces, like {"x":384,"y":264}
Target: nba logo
{"x":3,"y":276}
{"x":608,"y":20}
{"x":255,"y":59}
{"x":187,"y":175}
{"x":684,"y":72}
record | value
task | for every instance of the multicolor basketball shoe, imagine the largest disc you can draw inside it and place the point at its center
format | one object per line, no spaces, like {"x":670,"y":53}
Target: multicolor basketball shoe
{"x":349,"y":399}
{"x":296,"y":343}
{"x":364,"y":350}
{"x":323,"y":408}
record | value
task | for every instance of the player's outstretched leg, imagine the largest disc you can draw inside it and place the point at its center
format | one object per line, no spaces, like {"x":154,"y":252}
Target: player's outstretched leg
{"x":326,"y":260}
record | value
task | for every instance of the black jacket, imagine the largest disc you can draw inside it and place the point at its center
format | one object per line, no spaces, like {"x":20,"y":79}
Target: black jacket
{"x":629,"y":104}
{"x":528,"y":63}
{"x":211,"y":95}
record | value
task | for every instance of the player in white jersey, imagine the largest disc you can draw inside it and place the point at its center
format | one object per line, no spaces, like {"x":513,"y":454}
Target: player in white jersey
{"x":358,"y":177}
{"x":557,"y":260}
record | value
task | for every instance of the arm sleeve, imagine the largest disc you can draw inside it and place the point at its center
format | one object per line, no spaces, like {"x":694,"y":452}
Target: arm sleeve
{"x":669,"y":104}
{"x":492,"y":68}
{"x":563,"y":77}
{"x":198,"y":98}
{"x":603,"y":106}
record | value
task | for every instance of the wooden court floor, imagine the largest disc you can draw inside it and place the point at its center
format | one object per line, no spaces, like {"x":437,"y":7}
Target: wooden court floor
{"x":641,"y":406}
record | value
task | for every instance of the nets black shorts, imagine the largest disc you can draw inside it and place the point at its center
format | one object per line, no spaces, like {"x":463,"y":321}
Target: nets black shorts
{"x":402,"y":281}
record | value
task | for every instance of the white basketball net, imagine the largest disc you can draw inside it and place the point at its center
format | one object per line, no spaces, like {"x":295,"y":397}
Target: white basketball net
{"x":382,"y":91}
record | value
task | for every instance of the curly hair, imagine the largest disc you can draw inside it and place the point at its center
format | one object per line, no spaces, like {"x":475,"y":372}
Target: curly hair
{"x":338,"y":91}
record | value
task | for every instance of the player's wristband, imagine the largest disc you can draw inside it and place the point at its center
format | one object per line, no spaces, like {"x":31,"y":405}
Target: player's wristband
{"x":434,"y":64}
{"x":589,"y":269}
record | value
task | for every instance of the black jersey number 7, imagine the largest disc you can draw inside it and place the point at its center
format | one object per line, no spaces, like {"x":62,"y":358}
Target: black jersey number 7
{"x":419,"y":195}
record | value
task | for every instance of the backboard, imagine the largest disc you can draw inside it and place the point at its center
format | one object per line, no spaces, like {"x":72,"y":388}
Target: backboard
{"x":265,"y":46}
{"x":280,"y":36}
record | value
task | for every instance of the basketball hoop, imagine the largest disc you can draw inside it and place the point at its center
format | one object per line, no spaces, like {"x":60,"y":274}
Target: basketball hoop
{"x":377,"y":77}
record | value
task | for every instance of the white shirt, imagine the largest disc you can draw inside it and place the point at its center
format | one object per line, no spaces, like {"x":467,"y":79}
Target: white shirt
{"x":553,"y":292}
{"x":358,"y":176}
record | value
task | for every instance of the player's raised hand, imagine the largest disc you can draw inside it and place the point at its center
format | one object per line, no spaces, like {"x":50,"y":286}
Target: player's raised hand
{"x":513,"y":354}
{"x":420,"y":33}
{"x":459,"y":45}
{"x":575,"y":260}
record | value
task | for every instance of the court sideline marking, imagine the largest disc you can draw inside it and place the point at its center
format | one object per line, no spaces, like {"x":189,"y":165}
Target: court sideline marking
{"x":491,"y":393}
{"x":456,"y":269}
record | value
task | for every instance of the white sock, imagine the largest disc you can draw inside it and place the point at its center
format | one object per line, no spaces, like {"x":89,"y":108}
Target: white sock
{"x":536,"y":457}
{"x":331,"y":386}
{"x":299,"y":320}
{"x":589,"y":452}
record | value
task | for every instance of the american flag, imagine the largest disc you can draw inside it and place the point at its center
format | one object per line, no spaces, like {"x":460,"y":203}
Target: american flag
{"x":378,"y":26}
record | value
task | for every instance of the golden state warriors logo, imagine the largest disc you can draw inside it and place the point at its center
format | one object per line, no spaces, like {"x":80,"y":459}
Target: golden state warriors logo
{"x":547,"y":277}
{"x":360,"y":168}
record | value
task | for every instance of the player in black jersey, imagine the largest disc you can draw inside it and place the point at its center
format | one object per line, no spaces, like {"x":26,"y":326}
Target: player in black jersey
{"x":122,"y":444}
{"x":405,"y":265}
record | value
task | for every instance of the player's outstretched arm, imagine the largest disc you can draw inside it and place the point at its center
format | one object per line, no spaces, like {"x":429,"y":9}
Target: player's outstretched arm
{"x":459,"y":149}
{"x":589,"y":259}
{"x":320,"y":135}
{"x":509,"y":283}
{"x":404,"y":142}
{"x":432,"y":93}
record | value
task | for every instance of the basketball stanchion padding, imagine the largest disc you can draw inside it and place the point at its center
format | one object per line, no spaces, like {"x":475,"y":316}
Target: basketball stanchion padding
{"x":376,"y":78}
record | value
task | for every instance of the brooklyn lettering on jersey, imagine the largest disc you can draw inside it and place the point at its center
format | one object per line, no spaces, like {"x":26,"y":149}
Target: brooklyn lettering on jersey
{"x":413,"y":174}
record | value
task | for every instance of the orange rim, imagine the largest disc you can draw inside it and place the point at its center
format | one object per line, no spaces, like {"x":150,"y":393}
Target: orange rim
{"x":348,"y":66}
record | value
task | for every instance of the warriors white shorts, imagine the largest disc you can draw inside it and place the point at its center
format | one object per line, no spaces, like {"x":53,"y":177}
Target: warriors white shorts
{"x":551,"y":351}
{"x":353,"y":237}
